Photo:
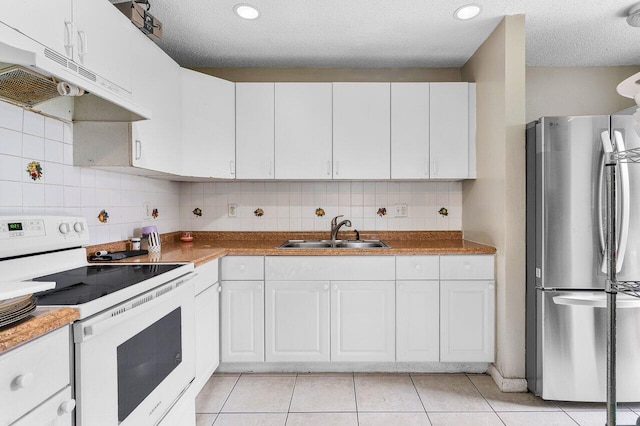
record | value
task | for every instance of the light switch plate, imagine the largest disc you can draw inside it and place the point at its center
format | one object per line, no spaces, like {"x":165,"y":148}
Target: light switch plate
{"x":232,"y":210}
{"x":400,"y":210}
{"x":146,"y":210}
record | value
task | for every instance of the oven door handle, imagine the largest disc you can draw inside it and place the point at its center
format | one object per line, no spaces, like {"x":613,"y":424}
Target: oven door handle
{"x":84,"y":331}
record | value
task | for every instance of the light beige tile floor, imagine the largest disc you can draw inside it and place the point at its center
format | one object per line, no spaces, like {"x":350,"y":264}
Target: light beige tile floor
{"x":384,"y":400}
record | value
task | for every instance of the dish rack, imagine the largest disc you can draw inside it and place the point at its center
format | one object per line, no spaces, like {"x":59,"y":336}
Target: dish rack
{"x":612,"y":159}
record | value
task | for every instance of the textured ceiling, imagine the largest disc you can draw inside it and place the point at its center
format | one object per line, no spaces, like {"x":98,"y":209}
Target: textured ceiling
{"x":390,"y":33}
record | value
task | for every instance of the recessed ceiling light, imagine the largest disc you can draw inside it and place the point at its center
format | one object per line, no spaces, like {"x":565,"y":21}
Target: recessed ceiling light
{"x":246,"y":11}
{"x":468,"y":11}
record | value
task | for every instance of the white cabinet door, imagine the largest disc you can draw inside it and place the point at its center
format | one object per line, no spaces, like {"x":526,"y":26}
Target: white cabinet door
{"x":449,"y":130}
{"x":47,"y":22}
{"x":297,"y":321}
{"x":363,"y":321}
{"x":207,"y":333}
{"x":103,"y":42}
{"x":418,"y":321}
{"x":409,"y":130}
{"x":255,"y":130}
{"x":361,"y":131}
{"x":467,"y":321}
{"x":303,"y":134}
{"x":208,"y":132}
{"x":242,"y":321}
{"x":155,"y":143}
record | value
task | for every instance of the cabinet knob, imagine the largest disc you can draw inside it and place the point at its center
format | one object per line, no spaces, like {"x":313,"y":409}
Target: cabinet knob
{"x":259,"y":287}
{"x":24,"y":381}
{"x":467,"y":266}
{"x":491,"y":286}
{"x":335,"y":286}
{"x":242,"y":267}
{"x":219,"y":289}
{"x":418,"y":267}
{"x":400,"y":286}
{"x":325,"y":287}
{"x":67,"y":406}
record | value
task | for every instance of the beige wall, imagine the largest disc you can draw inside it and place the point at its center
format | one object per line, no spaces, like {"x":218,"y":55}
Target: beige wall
{"x":575,"y":90}
{"x":334,"y":74}
{"x":494,"y":205}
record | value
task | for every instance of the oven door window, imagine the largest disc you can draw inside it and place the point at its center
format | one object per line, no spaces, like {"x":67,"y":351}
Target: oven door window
{"x":146,"y":359}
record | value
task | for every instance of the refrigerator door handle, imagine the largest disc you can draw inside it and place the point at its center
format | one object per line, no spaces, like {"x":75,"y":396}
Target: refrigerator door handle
{"x":606,"y":146}
{"x":625,"y":202}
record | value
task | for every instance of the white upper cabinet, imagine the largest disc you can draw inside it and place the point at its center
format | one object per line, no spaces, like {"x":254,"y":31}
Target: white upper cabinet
{"x":255,"y":130}
{"x":52,"y":25}
{"x":103,"y":41}
{"x":303,"y":130}
{"x":208,"y":126}
{"x":361,"y":131}
{"x":409,"y":130}
{"x":450,"y":139}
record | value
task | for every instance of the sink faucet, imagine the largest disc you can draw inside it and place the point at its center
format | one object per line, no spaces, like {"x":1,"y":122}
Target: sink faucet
{"x":335,"y":226}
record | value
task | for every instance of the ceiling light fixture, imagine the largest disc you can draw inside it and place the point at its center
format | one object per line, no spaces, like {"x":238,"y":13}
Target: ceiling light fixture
{"x":468,"y":11}
{"x":633,"y":18}
{"x":246,"y":11}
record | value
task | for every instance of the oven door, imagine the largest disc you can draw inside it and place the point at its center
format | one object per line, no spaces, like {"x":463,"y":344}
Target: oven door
{"x":133,"y":361}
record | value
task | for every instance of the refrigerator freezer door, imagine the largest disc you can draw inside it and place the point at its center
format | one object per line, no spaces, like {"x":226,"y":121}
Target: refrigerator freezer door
{"x":574,"y":346}
{"x":568,"y":215}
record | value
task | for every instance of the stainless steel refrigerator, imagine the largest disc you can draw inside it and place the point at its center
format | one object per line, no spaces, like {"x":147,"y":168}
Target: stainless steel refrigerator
{"x":566,"y":338}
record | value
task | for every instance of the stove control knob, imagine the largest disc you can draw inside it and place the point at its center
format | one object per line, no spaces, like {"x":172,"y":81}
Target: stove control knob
{"x":78,"y":227}
{"x":64,"y":228}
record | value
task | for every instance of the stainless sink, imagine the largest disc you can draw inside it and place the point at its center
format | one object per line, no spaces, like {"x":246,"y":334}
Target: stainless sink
{"x":318,"y":244}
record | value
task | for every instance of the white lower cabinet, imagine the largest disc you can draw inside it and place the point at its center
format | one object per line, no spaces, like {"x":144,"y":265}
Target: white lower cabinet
{"x":417,"y":321}
{"x":242,"y":321}
{"x":467,"y":311}
{"x":363,"y":321}
{"x":297,"y":321}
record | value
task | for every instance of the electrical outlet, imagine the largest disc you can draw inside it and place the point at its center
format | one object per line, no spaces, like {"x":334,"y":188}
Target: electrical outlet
{"x":232,"y":210}
{"x":400,"y":210}
{"x":146,"y":210}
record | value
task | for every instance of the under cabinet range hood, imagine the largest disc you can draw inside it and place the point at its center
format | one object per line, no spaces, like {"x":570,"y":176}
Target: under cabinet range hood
{"x":30,"y":73}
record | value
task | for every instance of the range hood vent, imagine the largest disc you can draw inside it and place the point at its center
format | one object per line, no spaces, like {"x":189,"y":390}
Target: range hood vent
{"x":24,"y":87}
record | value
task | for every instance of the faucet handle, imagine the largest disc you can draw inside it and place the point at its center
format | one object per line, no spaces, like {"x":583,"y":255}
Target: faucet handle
{"x":334,"y":221}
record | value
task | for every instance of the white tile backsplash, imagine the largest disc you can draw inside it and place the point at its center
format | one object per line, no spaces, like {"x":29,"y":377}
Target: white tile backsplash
{"x":291,"y":206}
{"x":68,"y":190}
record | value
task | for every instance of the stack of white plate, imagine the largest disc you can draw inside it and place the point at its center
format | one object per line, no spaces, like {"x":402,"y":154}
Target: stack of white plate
{"x":16,"y":309}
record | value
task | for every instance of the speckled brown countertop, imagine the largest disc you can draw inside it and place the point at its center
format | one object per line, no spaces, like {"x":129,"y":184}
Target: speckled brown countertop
{"x":208,"y":246}
{"x":41,"y":322}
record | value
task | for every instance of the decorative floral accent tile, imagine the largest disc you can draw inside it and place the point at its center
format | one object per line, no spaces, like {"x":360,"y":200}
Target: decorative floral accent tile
{"x":320,"y":212}
{"x":35,"y":170}
{"x":197,"y":211}
{"x":258,"y":212}
{"x":155,"y":213}
{"x":382,"y":211}
{"x":443,"y":211}
{"x":103,"y":216}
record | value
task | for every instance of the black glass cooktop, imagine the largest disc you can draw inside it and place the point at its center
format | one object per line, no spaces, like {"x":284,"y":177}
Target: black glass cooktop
{"x":87,"y":283}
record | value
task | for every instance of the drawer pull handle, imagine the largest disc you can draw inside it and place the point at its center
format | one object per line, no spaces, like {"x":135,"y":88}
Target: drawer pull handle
{"x":242,"y":267}
{"x":467,"y":267}
{"x":67,"y":406}
{"x":418,"y":267}
{"x":24,"y":381}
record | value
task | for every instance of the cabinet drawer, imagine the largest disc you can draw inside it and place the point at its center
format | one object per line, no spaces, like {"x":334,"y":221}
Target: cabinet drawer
{"x":56,"y":411}
{"x":242,"y":268}
{"x":207,"y":276}
{"x":32,"y":373}
{"x":467,"y":267}
{"x":417,"y":268}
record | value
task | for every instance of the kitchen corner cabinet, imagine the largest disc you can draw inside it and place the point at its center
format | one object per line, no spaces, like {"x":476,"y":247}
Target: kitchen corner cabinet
{"x":297,"y":321}
{"x":255,"y":130}
{"x":361,"y":130}
{"x":208,"y":131}
{"x":452,"y":130}
{"x":410,"y":131}
{"x":467,"y":308}
{"x":303,"y":130}
{"x":36,"y":390}
{"x":149,"y":144}
{"x":242,"y":309}
{"x":363,"y":321}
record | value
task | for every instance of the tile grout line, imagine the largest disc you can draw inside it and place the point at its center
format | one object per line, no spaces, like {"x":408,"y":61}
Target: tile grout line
{"x":485,"y":400}
{"x":420,"y":398}
{"x":293,"y":391}
{"x":355,"y":397}
{"x":227,"y":398}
